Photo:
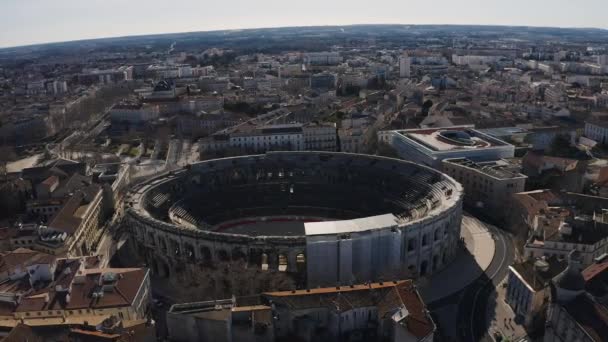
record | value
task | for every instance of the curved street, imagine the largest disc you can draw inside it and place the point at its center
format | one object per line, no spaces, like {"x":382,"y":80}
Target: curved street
{"x":472,"y":314}
{"x":470,"y":305}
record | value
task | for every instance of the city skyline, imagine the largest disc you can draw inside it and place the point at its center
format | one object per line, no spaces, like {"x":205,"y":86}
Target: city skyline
{"x":21,"y":22}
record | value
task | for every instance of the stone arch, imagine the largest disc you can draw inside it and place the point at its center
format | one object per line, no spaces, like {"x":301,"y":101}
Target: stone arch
{"x":175,"y":248}
{"x":189,"y":252}
{"x":163,"y":244}
{"x":206,"y":255}
{"x":282,"y":261}
{"x":154,"y":266}
{"x":254,"y":257}
{"x":301,"y":262}
{"x":163,"y":269}
{"x":411,"y":244}
{"x":151,"y":239}
{"x":238,"y":254}
{"x":425,"y":239}
{"x":424,"y":267}
{"x":411,"y":270}
{"x":223,"y":255}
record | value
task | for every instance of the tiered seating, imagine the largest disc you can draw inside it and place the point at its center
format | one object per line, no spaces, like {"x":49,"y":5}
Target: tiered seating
{"x":340,"y":188}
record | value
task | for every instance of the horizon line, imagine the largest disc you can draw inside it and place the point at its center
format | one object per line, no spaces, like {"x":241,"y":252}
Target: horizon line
{"x":286,"y":27}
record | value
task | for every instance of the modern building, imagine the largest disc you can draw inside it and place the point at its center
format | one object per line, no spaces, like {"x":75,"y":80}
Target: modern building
{"x":597,"y":130}
{"x":389,"y":311}
{"x":487,"y":185}
{"x":107,"y":76}
{"x":475,"y":60}
{"x":404,"y":66}
{"x":429,"y":146}
{"x":322,"y":58}
{"x":323,"y":81}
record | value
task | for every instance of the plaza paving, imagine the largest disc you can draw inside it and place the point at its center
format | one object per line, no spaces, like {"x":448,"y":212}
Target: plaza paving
{"x":467,"y":267}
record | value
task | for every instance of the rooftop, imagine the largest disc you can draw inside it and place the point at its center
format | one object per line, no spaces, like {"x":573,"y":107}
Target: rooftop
{"x":451,"y":138}
{"x":538,"y":273}
{"x":596,"y":277}
{"x":496,"y":169}
{"x":350,"y":226}
{"x":590,"y":315}
{"x":388,"y":297}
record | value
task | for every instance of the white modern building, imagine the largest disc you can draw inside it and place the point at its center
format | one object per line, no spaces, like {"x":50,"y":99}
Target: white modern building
{"x":431,"y":146}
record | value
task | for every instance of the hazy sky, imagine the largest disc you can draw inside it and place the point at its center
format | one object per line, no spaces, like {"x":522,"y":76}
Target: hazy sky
{"x":25,"y":22}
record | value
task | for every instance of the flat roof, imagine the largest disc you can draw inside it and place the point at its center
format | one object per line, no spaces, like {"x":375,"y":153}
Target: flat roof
{"x":503,"y":131}
{"x":451,"y":138}
{"x":349,"y":226}
{"x":493,"y":168}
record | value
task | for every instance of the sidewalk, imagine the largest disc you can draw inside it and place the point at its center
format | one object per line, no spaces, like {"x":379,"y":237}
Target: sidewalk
{"x":466,"y":267}
{"x":502,"y":318}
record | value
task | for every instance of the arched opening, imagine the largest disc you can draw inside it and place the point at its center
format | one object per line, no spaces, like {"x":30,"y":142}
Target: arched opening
{"x":264,"y":264}
{"x":206,"y":255}
{"x":151,"y":239}
{"x":437,"y":234}
{"x":425,"y":240}
{"x":282,"y":263}
{"x":301,"y":263}
{"x":176,"y":248}
{"x":411,"y":269}
{"x":238,"y":255}
{"x":154,"y":267}
{"x":223,"y":255}
{"x":411,"y":244}
{"x":423,"y":268}
{"x":163,"y":269}
{"x":435,"y":262}
{"x":189,"y":252}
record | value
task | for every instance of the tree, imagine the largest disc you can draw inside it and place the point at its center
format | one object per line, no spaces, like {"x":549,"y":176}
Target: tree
{"x":426,"y":106}
{"x":7,"y":154}
{"x":561,"y":147}
{"x":386,"y":150}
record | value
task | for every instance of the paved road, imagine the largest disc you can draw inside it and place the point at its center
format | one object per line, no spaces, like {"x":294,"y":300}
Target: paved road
{"x":472,"y":320}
